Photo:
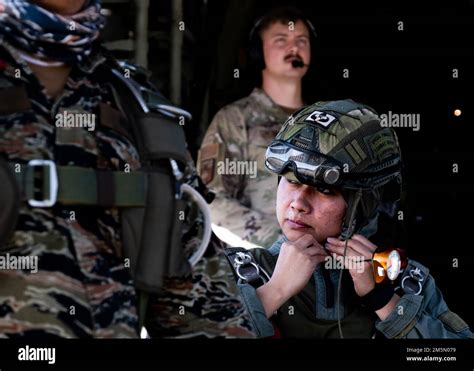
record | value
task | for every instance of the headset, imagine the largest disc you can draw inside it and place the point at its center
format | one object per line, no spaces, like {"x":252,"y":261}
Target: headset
{"x":255,"y":49}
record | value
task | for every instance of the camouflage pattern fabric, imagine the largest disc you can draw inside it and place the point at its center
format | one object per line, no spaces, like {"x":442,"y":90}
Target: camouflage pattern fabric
{"x":236,"y":141}
{"x":205,"y":304}
{"x":82,"y":288}
{"x":330,"y":123}
{"x":46,"y":35}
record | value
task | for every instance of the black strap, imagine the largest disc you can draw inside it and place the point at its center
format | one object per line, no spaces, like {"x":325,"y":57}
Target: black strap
{"x":9,"y":201}
{"x":156,"y":136}
{"x":105,"y":185}
{"x":413,"y":278}
{"x":349,"y":226}
{"x":246,"y":269}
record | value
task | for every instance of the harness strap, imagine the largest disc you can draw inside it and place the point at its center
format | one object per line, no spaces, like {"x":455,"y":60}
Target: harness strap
{"x":413,"y":278}
{"x":246,"y":269}
{"x":44,"y":184}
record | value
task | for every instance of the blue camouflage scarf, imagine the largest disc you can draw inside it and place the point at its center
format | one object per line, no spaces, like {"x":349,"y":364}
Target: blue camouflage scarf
{"x":49,"y":36}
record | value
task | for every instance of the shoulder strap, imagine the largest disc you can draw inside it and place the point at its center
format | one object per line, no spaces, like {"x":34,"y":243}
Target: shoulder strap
{"x":161,"y":144}
{"x":154,"y":123}
{"x":413,"y":278}
{"x":246,"y":268}
{"x":143,"y":300}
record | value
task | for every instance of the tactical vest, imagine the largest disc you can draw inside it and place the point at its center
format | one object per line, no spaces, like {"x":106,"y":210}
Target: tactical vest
{"x":297,"y":317}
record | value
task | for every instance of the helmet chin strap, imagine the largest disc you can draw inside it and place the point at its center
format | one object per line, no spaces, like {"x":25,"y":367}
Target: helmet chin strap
{"x":350,"y":221}
{"x":348,"y":230}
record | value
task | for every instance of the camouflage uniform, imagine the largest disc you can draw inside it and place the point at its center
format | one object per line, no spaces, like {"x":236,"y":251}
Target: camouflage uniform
{"x":241,"y":131}
{"x":206,"y":304}
{"x":82,"y":288}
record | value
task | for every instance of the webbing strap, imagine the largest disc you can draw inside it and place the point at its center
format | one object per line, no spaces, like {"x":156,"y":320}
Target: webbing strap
{"x":246,"y":269}
{"x":142,"y":308}
{"x":82,"y":186}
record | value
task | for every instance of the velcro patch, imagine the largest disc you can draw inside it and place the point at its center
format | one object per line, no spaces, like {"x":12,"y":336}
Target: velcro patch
{"x":209,"y":151}
{"x":321,"y":118}
{"x":206,"y":170}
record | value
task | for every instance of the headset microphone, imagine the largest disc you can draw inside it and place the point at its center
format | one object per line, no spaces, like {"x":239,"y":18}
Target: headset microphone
{"x":296,"y":63}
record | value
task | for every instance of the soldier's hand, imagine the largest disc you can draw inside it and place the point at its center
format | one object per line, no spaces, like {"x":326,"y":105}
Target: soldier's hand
{"x":358,"y":260}
{"x":295,"y":265}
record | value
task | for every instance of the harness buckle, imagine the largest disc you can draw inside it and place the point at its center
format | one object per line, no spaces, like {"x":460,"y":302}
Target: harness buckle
{"x":50,"y":199}
{"x":242,"y":260}
{"x":410,"y":281}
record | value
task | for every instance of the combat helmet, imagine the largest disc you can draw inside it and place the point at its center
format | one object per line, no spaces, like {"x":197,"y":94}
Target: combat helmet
{"x":340,"y":144}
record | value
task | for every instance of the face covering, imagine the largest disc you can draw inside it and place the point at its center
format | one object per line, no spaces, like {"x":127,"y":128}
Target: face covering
{"x":46,"y":36}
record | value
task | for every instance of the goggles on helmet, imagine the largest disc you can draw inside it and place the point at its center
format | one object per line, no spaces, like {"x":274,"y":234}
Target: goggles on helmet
{"x":317,"y":169}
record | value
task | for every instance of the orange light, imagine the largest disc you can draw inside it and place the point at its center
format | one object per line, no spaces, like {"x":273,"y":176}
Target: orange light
{"x":387,"y":264}
{"x":457,"y":112}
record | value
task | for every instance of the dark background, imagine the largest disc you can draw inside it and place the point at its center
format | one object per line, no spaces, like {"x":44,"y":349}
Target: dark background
{"x":407,"y":71}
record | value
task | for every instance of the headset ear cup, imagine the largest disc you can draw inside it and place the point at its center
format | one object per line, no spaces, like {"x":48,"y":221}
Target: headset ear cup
{"x":256,"y":60}
{"x":259,"y":57}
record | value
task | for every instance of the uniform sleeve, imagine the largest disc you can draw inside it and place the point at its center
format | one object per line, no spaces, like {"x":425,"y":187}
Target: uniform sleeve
{"x":225,"y":142}
{"x":424,"y":316}
{"x":261,"y":324}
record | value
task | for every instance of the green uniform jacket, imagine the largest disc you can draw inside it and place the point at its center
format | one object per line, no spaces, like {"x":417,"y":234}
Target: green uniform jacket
{"x":231,"y":162}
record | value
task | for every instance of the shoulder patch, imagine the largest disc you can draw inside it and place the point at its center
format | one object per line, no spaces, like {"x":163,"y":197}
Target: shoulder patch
{"x":209,"y":151}
{"x":207,"y":161}
{"x":206,"y":170}
{"x":322,"y":118}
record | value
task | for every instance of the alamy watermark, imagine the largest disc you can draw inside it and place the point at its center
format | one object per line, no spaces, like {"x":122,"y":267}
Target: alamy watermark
{"x":400,"y":120}
{"x":72,"y":119}
{"x":28,"y":353}
{"x":348,"y":262}
{"x":231,"y":167}
{"x":13,"y":262}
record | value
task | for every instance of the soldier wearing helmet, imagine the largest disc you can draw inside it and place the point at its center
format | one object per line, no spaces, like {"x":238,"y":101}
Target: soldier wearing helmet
{"x":336,"y":166}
